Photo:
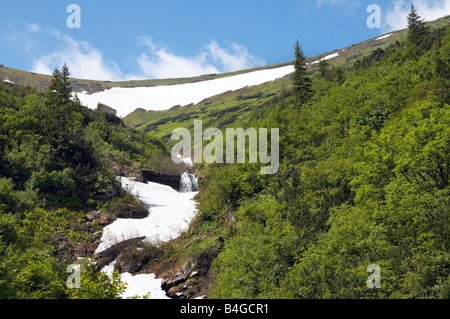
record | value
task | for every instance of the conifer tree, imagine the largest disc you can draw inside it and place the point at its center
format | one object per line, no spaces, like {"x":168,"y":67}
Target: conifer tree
{"x":300,"y":80}
{"x":58,"y":104}
{"x":417,"y":27}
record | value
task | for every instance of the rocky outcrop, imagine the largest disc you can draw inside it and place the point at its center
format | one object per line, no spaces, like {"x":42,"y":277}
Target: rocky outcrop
{"x":188,"y":282}
{"x":162,"y":178}
{"x":134,"y":257}
{"x":105,"y":257}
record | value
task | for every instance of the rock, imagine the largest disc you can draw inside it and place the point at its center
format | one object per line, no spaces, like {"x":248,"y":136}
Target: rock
{"x":105,"y":108}
{"x":180,"y":277}
{"x":133,"y":257}
{"x":105,"y":257}
{"x":174,"y":281}
{"x":106,"y":219}
{"x":162,"y":178}
{"x":91,"y":215}
{"x":133,"y":212}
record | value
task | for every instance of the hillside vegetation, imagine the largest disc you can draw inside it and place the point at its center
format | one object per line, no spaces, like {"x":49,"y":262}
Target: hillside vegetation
{"x":58,"y":162}
{"x":363,"y":180}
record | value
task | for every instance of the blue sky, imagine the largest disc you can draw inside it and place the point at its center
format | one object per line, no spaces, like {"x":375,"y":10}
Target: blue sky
{"x":136,"y":39}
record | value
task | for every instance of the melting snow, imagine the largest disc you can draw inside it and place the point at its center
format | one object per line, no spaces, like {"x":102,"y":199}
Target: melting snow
{"x":170,"y":214}
{"x":8,"y":81}
{"x":328,"y":57}
{"x":126,"y":100}
{"x":139,"y":285}
{"x":384,"y":36}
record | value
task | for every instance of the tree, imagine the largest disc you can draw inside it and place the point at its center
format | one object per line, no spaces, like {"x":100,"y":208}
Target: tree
{"x":58,"y":104}
{"x":323,"y":66}
{"x":300,"y":80}
{"x":417,"y":27}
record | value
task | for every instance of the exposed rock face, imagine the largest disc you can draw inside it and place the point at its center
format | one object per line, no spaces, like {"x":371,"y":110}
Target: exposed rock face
{"x":132,"y":258}
{"x":184,"y":284}
{"x":107,"y":256}
{"x":173,"y":181}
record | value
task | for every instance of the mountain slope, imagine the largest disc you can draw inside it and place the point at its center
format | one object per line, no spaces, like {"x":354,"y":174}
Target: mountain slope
{"x":169,"y":93}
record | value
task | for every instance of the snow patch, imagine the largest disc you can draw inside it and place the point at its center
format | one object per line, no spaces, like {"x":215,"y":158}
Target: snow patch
{"x":328,"y":57}
{"x":170,"y":213}
{"x":158,"y":98}
{"x":139,"y":285}
{"x":8,"y":81}
{"x":384,"y":36}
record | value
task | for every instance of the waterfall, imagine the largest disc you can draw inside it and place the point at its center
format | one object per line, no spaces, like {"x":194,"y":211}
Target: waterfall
{"x":189,"y":183}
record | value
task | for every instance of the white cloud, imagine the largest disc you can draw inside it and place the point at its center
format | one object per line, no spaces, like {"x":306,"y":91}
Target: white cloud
{"x":395,"y":17}
{"x":33,"y":27}
{"x":87,"y":62}
{"x":238,"y":59}
{"x":159,"y":62}
{"x":84,"y":61}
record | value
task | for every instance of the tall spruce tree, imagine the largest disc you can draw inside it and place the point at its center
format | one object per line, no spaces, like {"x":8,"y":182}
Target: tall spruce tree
{"x":300,"y":80}
{"x":416,"y":26}
{"x":58,"y":104}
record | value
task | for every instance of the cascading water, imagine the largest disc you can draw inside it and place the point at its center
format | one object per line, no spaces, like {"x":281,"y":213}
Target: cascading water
{"x":189,"y":183}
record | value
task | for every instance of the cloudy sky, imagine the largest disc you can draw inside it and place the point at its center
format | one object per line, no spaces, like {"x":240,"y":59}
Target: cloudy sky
{"x":136,"y":39}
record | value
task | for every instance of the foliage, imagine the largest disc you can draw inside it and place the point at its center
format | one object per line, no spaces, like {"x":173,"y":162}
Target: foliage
{"x":417,"y":29}
{"x":363,"y":179}
{"x":96,"y":285}
{"x":55,"y":164}
{"x":301,"y":83}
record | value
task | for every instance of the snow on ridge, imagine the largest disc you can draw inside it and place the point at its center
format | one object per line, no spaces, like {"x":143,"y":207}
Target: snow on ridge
{"x":328,"y":57}
{"x":384,"y":36}
{"x":158,"y":98}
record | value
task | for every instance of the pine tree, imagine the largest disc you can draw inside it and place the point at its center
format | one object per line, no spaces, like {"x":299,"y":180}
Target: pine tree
{"x":58,"y":104}
{"x":300,"y":80}
{"x":417,"y":27}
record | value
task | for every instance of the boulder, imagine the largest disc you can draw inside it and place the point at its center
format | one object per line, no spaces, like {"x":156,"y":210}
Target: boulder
{"x":105,"y":257}
{"x":173,"y":181}
{"x":135,"y":256}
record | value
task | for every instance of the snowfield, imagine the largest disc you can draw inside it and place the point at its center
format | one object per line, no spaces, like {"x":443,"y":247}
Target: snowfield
{"x":169,"y":215}
{"x":159,"y":98}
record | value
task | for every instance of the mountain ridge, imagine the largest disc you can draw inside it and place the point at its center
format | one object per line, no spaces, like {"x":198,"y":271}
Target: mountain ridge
{"x":41,"y":81}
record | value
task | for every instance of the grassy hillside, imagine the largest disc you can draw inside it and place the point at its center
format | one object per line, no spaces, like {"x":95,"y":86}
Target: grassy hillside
{"x":232,"y":107}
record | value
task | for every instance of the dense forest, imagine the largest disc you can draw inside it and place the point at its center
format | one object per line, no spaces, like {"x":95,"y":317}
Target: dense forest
{"x":363,"y":180}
